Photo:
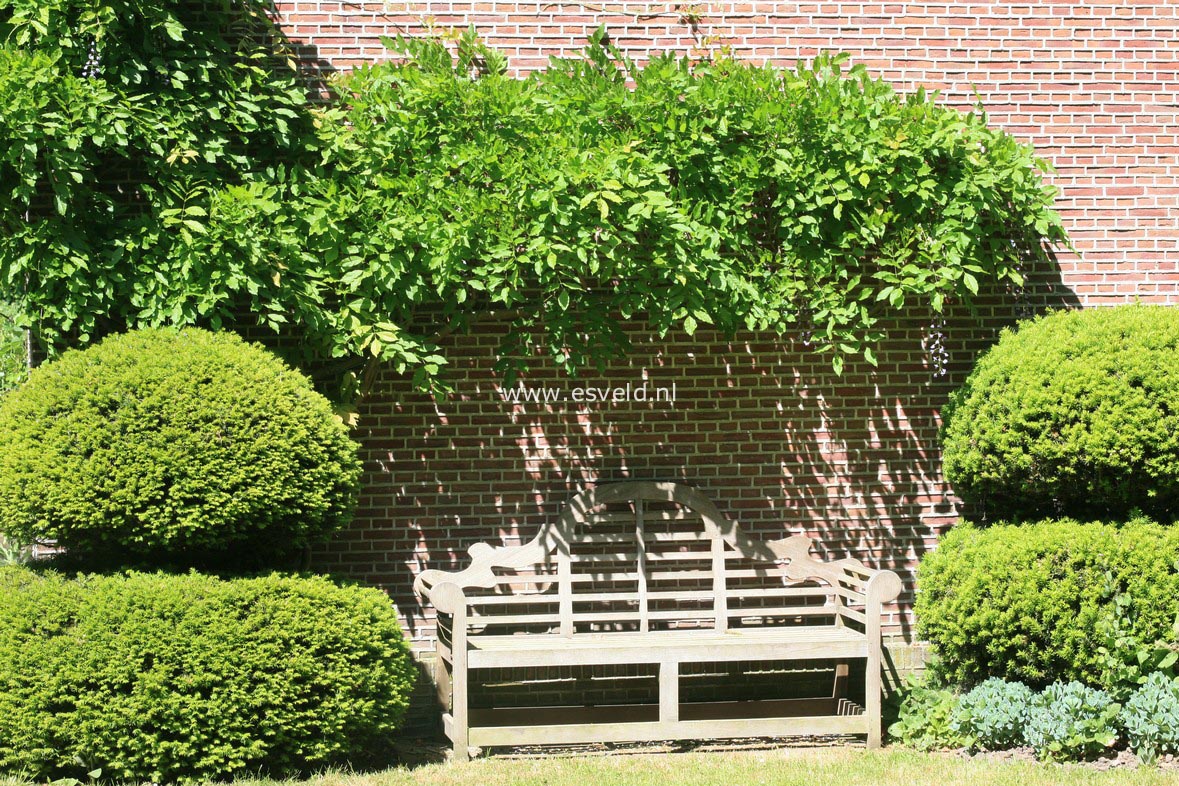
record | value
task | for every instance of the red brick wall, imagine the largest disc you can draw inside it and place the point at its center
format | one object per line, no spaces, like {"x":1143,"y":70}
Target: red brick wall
{"x":765,"y":429}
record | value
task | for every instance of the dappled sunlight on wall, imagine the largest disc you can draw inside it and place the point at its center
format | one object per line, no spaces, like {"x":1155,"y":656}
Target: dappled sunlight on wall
{"x":763,"y":426}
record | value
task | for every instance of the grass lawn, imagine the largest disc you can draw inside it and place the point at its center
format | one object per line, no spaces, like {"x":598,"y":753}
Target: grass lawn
{"x":781,"y":767}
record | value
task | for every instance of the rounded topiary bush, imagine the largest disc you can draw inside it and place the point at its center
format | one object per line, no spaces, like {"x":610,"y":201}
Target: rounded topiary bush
{"x":1033,"y":602}
{"x":173,"y":446}
{"x":1075,"y":413}
{"x":186,"y":677}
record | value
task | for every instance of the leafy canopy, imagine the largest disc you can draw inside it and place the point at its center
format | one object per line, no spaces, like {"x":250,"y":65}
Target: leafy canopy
{"x":121,"y":121}
{"x":682,"y":193}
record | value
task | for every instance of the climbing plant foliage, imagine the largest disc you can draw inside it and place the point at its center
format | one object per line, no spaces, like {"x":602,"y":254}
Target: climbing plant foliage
{"x":122,"y":122}
{"x":682,"y":193}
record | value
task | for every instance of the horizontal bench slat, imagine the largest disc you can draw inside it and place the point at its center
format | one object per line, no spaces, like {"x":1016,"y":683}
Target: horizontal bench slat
{"x":655,"y":614}
{"x":628,"y":517}
{"x":693,"y":646}
{"x":777,"y":592}
{"x":677,"y":575}
{"x":549,"y":596}
{"x":790,"y":592}
{"x":620,"y":724}
{"x":603,"y":576}
{"x":620,"y":597}
{"x":851,"y":581}
{"x":606,"y":538}
{"x":539,"y":598}
{"x":783,"y":611}
{"x":513,"y":619}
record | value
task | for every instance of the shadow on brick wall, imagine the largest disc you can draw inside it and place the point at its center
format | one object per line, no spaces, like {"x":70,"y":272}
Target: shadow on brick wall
{"x":762,"y":425}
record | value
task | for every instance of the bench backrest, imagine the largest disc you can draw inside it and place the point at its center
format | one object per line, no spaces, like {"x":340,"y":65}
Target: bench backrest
{"x":647,"y":556}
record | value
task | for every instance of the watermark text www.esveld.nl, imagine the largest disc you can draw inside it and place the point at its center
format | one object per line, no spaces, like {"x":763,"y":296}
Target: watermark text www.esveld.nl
{"x":609,"y":394}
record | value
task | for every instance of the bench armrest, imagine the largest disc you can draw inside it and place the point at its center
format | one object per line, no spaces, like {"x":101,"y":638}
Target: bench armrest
{"x":883,"y":586}
{"x":448,"y":598}
{"x":438,"y":588}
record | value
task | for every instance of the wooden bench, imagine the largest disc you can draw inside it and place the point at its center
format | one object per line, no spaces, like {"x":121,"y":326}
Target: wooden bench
{"x":652,"y":573}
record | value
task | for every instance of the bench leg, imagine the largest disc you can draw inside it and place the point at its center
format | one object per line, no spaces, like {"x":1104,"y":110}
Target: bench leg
{"x":669,"y":692}
{"x":872,"y":703}
{"x":460,"y":719}
{"x":460,"y":730}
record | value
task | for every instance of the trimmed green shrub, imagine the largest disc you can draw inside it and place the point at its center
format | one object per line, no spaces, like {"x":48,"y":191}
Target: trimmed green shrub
{"x":1151,"y":717}
{"x":164,"y":677}
{"x":1031,"y":602}
{"x":173,"y":446}
{"x":1075,"y":414}
{"x":992,"y":716}
{"x":1072,"y":721}
{"x":926,"y":717}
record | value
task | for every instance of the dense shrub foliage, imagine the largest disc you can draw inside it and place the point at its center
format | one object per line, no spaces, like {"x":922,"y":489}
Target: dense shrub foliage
{"x":812,"y":201}
{"x":120,"y":120}
{"x":1072,"y":721}
{"x":1033,"y":602}
{"x":173,"y":446}
{"x":151,"y":677}
{"x":1074,"y":413}
{"x":993,"y":715}
{"x":1151,"y":717}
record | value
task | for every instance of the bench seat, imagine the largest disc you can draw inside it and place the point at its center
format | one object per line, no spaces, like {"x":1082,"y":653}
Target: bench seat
{"x":695,"y":646}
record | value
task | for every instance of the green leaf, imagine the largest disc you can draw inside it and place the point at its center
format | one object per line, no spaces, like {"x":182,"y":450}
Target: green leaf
{"x":174,"y":28}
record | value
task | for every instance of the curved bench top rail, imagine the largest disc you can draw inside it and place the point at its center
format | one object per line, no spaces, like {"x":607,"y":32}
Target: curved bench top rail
{"x":555,"y":539}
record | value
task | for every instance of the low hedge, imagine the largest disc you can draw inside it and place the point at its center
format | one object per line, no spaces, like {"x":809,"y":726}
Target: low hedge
{"x":173,"y":447}
{"x":191,"y":678}
{"x":1039,"y":602}
{"x":1074,"y":414}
